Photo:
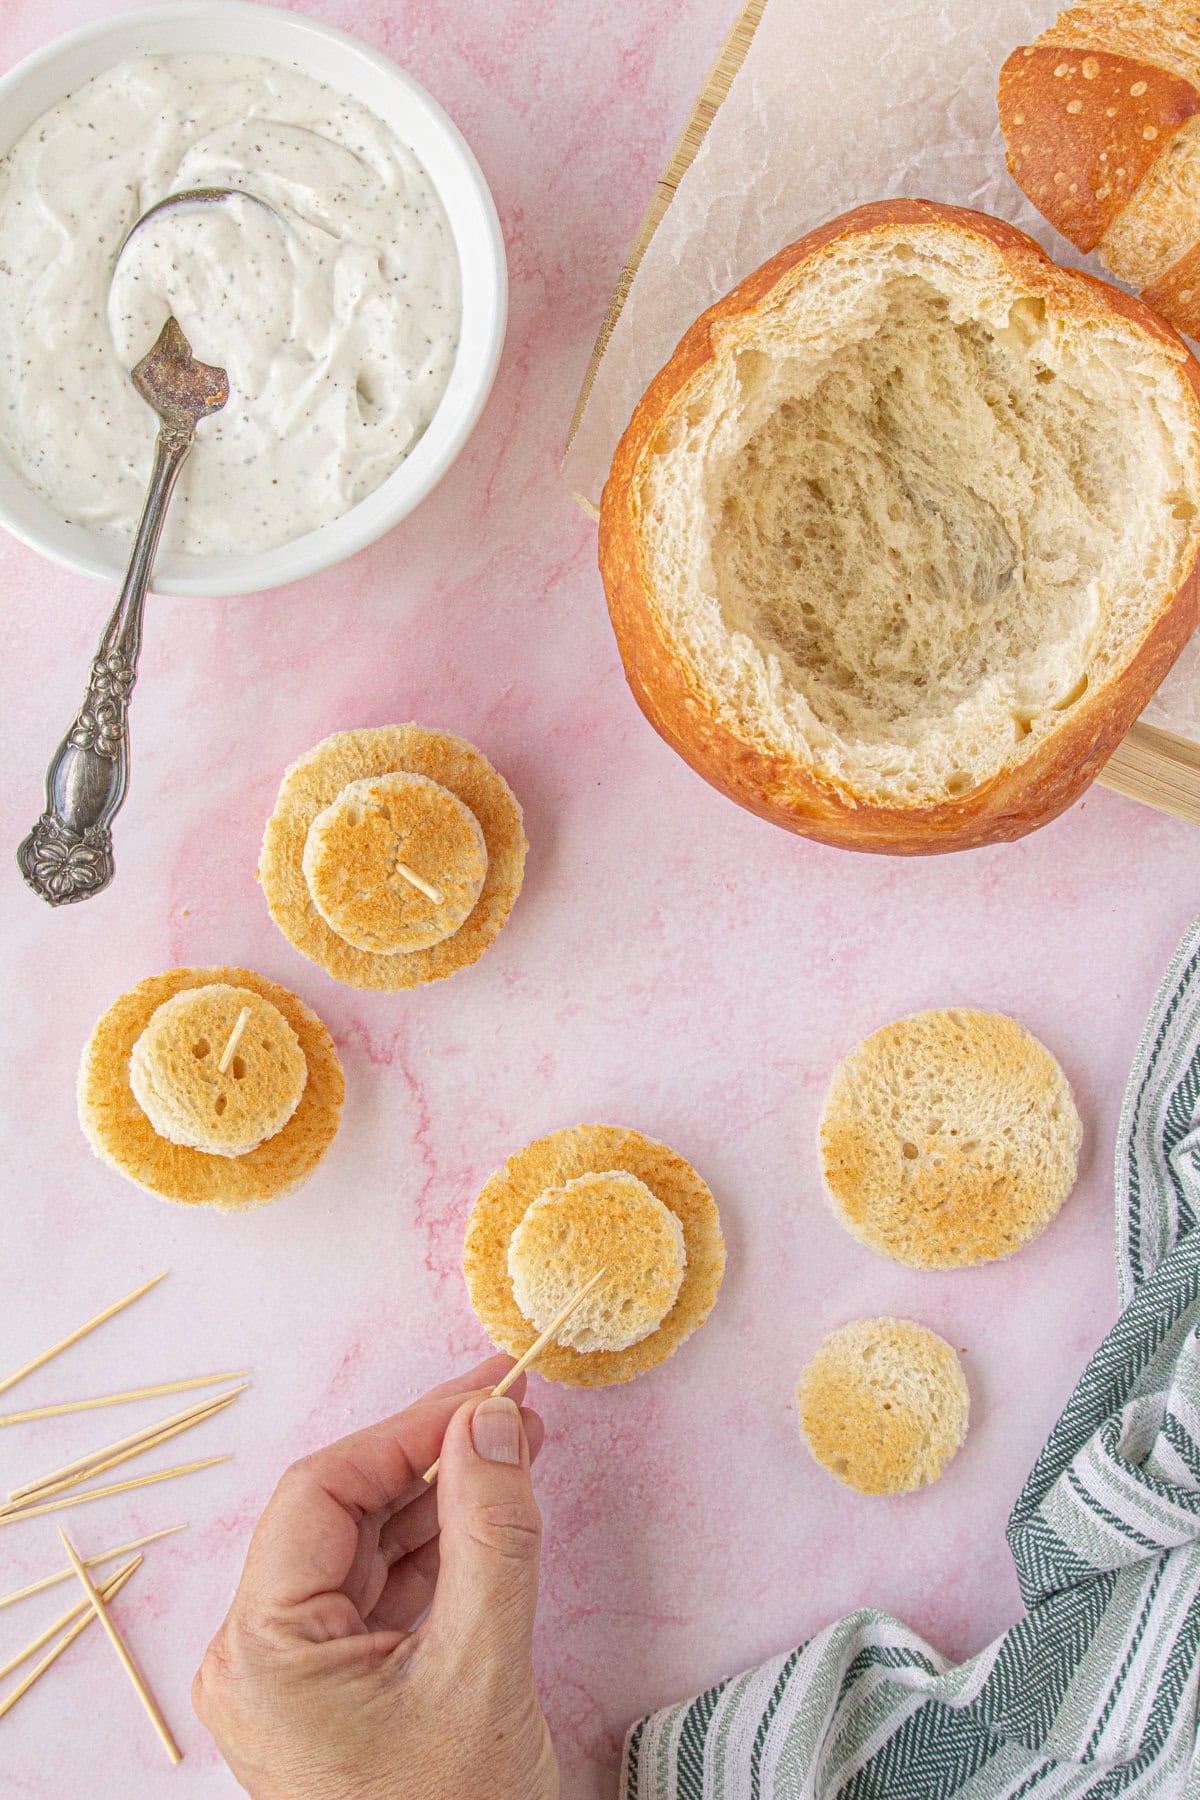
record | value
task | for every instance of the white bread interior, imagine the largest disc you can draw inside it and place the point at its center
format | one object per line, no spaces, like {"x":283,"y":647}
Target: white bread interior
{"x":1159,"y":32}
{"x":1162,"y":219}
{"x":912,"y":510}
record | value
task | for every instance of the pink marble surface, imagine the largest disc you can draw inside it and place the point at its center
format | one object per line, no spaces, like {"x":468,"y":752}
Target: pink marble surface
{"x":673,"y":964}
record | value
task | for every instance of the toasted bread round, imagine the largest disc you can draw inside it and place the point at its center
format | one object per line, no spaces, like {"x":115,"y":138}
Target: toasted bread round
{"x":314,"y":782}
{"x":123,"y":1137}
{"x":550,"y":1164}
{"x":949,"y":1138}
{"x":176,"y":1077}
{"x":358,"y":846}
{"x":873,"y":566}
{"x":883,"y":1405}
{"x":605,"y":1221}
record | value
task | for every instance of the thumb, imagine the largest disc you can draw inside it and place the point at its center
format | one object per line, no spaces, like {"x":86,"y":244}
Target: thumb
{"x":491,"y":1532}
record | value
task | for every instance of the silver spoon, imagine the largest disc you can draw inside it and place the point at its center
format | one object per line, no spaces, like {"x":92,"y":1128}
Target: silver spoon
{"x":68,"y":855}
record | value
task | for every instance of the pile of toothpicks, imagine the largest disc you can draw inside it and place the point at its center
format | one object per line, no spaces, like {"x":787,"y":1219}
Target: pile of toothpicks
{"x":67,"y":1486}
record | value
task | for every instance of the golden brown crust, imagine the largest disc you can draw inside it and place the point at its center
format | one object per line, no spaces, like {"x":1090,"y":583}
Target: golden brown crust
{"x":1158,"y":47}
{"x":1082,"y":129}
{"x":319,"y":777}
{"x":1019,"y":798}
{"x":551,"y":1162}
{"x":122,"y":1136}
{"x":1176,"y":293}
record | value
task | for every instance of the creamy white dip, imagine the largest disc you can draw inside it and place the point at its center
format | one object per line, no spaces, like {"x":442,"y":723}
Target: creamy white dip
{"x":336,"y":320}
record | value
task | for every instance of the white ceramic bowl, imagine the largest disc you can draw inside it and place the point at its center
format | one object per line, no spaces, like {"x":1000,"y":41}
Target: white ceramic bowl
{"x":343,"y":62}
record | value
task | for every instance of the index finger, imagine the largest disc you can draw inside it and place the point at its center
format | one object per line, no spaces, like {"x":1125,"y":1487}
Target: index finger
{"x":305,"y":1542}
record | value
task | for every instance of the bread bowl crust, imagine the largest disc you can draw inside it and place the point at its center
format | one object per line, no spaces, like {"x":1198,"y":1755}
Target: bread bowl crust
{"x":1017,"y":799}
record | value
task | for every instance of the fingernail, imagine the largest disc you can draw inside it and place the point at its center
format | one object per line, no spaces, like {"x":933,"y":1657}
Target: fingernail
{"x":496,"y":1430}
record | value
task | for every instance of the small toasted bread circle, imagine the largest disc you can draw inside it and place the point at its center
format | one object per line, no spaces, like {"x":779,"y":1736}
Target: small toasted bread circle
{"x":949,"y":1138}
{"x":367,"y":850}
{"x":330,"y":852}
{"x":883,"y":1405}
{"x":607,"y":1221}
{"x":608,"y":1224}
{"x":122,"y":1135}
{"x":177,"y":1080}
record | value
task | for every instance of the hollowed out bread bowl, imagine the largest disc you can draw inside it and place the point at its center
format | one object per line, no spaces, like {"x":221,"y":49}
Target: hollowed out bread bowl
{"x":122,"y":1135}
{"x":902,"y":538}
{"x":624,"y":1240}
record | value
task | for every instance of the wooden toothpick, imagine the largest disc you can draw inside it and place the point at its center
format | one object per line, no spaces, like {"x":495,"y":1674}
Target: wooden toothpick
{"x":102,"y":1493}
{"x":143,"y":1393}
{"x":234,"y":1039}
{"x":118,"y":1643}
{"x":422,"y":886}
{"x":65,"y":1343}
{"x":93,"y":1562}
{"x":109,"y":1588}
{"x":534,"y":1351}
{"x":133,"y":1444}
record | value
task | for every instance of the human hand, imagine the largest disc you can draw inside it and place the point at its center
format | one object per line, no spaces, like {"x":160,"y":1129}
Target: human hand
{"x":329,"y":1680}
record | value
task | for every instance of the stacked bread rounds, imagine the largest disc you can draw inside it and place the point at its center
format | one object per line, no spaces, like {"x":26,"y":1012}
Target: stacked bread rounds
{"x":393,"y":856}
{"x":156,"y":1106}
{"x":587,"y":1198}
{"x":904,"y":535}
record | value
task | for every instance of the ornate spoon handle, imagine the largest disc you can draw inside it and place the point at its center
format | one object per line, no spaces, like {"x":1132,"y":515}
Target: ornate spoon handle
{"x":68,"y":855}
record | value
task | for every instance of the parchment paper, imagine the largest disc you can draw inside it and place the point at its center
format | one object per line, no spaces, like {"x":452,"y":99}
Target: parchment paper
{"x":837,"y":102}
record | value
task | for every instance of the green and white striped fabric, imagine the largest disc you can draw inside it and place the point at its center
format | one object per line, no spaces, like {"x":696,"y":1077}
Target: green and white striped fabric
{"x":1095,"y":1691}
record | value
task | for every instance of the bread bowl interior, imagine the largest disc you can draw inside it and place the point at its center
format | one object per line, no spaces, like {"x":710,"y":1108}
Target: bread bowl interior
{"x":914,"y":506}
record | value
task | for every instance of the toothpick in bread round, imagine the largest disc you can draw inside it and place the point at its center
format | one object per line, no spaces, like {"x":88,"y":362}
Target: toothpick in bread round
{"x":883,"y":1405}
{"x":393,"y":856}
{"x":156,"y":1105}
{"x":581,"y":1199}
{"x":949,"y":1138}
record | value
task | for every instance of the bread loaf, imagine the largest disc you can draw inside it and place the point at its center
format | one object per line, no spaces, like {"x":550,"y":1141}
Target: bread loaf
{"x":901,"y":539}
{"x":1101,"y":117}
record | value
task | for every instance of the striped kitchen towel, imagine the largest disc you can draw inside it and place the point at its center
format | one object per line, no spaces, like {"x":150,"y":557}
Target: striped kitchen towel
{"x":1095,"y":1691}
